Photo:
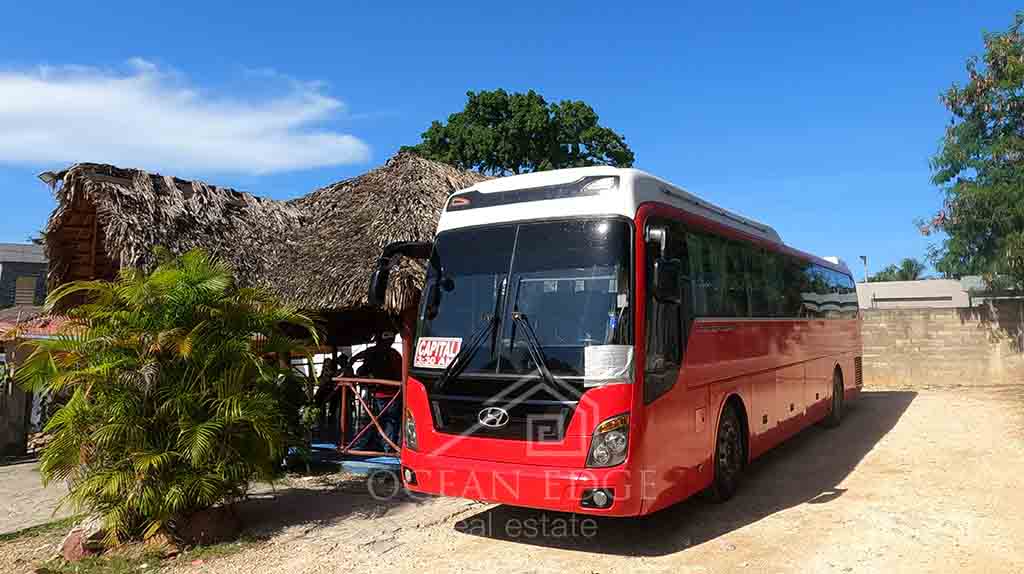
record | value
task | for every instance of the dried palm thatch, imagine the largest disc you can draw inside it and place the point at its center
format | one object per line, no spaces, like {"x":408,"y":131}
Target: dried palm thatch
{"x":315,"y":252}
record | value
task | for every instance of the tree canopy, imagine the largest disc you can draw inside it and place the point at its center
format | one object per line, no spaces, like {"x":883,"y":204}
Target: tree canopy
{"x":980,"y":166}
{"x":907,"y":270}
{"x":501,"y":133}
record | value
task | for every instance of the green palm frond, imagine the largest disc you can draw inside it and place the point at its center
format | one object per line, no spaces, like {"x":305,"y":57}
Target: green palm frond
{"x":174,"y":405}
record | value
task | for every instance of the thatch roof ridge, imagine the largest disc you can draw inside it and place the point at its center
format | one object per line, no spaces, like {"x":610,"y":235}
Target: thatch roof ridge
{"x":316,"y":251}
{"x":138,"y":211}
{"x":399,"y":201}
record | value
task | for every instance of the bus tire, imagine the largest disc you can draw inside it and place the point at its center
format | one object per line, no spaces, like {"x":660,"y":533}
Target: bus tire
{"x":730,"y":455}
{"x":835,"y":415}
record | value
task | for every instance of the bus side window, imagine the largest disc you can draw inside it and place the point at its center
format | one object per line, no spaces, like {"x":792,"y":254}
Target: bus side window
{"x":843,"y":296}
{"x":848,"y":297}
{"x":815,"y":291}
{"x":698,"y":279}
{"x":707,"y":256}
{"x":737,"y":293}
{"x":834,"y":292}
{"x":794,"y":288}
{"x":773,"y":303}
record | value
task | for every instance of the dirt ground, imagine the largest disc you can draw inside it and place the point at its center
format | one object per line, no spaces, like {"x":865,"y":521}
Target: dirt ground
{"x":23,"y":500}
{"x":924,"y":481}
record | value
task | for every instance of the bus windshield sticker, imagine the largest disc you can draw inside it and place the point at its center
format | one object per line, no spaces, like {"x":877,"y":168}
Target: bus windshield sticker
{"x":436,"y":352}
{"x":607,"y":363}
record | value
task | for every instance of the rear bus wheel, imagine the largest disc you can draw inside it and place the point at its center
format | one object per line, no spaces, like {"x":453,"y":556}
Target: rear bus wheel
{"x":730,"y":456}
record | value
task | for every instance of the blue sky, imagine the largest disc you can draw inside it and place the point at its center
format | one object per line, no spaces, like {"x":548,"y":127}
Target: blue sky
{"x":816,"y":117}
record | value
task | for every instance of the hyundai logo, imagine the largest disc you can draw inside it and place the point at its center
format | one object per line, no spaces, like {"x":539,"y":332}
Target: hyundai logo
{"x":493,"y":417}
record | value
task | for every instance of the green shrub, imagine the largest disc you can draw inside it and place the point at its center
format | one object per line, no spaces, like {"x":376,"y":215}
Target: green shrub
{"x":179,"y":392}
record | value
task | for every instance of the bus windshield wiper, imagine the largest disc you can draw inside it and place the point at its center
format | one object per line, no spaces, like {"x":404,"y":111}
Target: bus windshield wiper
{"x":465,"y":354}
{"x":534,"y":347}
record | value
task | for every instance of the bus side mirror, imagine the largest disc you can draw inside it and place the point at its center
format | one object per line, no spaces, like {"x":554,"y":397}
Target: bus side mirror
{"x":379,"y":282}
{"x":658,"y":237}
{"x":446,"y":284}
{"x":667,"y":280}
{"x":433,"y":300}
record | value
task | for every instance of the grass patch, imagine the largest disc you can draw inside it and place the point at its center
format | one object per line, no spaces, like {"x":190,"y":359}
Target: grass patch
{"x":130,"y":559}
{"x":121,"y":560}
{"x":103,"y":564}
{"x":214,"y":551}
{"x":47,"y":528}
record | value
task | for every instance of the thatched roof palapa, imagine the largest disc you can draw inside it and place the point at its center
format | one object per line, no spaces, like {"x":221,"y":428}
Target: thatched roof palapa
{"x":316,"y":252}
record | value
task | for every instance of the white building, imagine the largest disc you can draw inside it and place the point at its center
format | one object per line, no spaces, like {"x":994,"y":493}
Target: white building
{"x":926,"y":293}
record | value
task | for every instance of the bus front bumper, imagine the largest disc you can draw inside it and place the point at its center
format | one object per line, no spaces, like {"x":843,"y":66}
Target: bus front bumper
{"x":531,"y":486}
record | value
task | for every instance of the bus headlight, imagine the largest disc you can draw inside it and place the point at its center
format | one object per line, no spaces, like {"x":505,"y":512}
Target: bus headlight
{"x":610,"y":441}
{"x":410,"y":431}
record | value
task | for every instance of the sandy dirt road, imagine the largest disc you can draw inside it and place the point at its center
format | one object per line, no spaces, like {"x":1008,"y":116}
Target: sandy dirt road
{"x":926,"y":481}
{"x":24,"y":501}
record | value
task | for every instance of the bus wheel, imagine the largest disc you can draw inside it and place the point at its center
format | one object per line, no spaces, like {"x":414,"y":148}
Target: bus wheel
{"x":730,"y":456}
{"x":835,"y":416}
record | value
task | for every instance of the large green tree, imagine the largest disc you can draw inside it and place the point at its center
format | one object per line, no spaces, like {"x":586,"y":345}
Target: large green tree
{"x":178,"y":396}
{"x":907,"y":270}
{"x":502,"y":133}
{"x":980,"y":166}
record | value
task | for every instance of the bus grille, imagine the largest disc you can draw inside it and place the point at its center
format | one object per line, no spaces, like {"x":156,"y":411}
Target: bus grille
{"x":537,"y":421}
{"x":858,"y":370}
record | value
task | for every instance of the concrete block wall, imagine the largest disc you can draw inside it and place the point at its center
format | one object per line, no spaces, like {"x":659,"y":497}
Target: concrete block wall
{"x":957,"y":346}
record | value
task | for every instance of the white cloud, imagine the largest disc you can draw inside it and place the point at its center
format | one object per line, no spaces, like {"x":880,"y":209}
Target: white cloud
{"x":153,"y":118}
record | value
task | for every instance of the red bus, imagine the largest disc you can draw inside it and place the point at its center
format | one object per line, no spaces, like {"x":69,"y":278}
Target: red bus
{"x":598,"y":340}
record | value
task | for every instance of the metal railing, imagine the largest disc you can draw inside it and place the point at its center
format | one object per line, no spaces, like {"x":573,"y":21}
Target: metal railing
{"x":350,"y":385}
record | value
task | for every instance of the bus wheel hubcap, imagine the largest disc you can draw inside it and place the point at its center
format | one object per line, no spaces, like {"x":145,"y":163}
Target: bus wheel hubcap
{"x":729,"y":450}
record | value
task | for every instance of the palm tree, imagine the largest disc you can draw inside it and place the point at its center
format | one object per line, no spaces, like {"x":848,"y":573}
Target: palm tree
{"x":909,"y":269}
{"x":178,"y":392}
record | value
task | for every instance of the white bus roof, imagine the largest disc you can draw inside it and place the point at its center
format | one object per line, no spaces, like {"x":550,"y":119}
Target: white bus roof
{"x":634,"y":188}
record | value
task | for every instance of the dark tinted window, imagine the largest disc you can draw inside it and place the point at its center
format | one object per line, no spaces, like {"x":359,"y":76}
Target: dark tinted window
{"x":570,"y":279}
{"x":734,"y":279}
{"x":719,"y":270}
{"x":794,"y":285}
{"x":772,"y":288}
{"x":815,"y":292}
{"x":707,"y":270}
{"x":737,"y":299}
{"x":847,"y":296}
{"x":827,"y":294}
{"x":475,"y":262}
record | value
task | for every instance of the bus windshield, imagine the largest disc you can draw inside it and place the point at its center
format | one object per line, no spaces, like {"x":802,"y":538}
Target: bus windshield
{"x":562,"y":288}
